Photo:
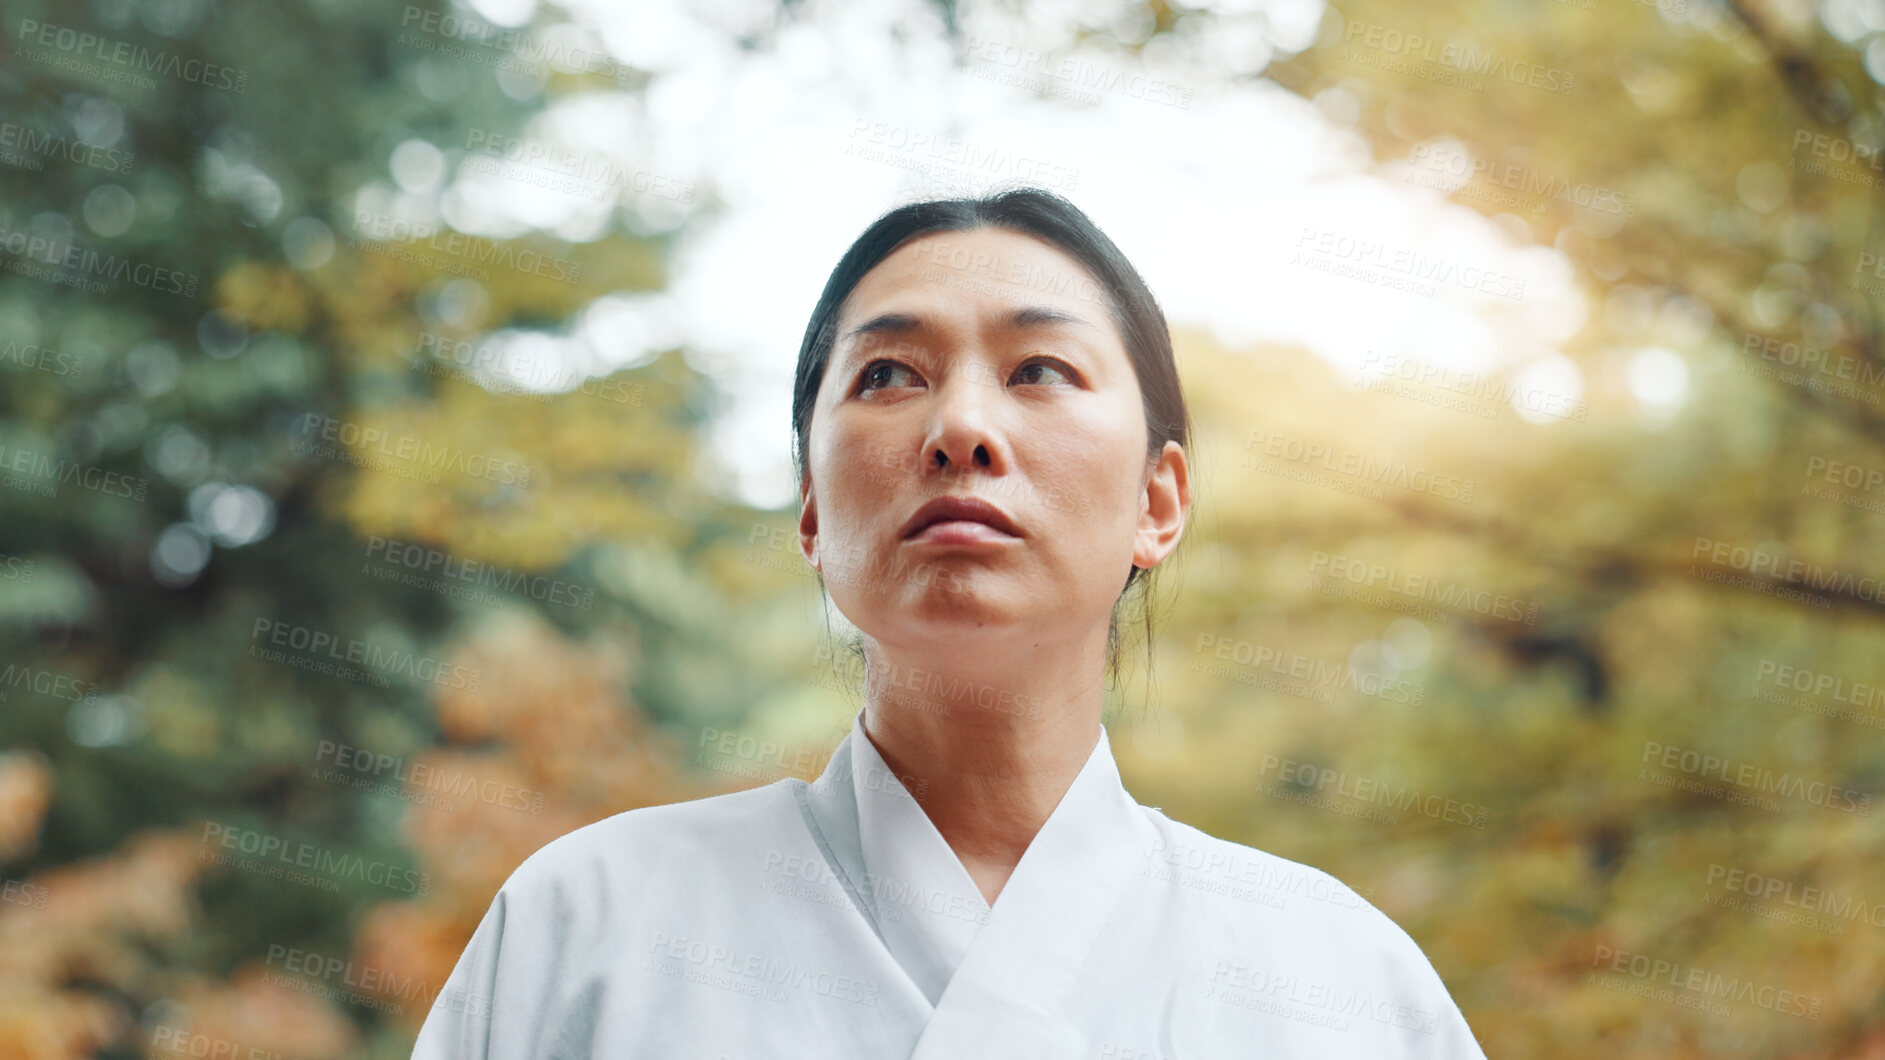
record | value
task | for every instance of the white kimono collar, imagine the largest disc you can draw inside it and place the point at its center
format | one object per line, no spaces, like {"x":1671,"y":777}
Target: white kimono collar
{"x":999,"y":975}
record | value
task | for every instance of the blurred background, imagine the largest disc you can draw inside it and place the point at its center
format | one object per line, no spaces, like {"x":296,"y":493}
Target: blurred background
{"x":394,"y":442}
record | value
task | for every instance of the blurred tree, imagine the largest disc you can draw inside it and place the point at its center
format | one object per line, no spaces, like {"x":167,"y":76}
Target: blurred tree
{"x":254,"y":485}
{"x":245,"y":404}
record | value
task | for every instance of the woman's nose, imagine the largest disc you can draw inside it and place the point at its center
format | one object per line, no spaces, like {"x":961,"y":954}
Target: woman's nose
{"x":962,"y":429}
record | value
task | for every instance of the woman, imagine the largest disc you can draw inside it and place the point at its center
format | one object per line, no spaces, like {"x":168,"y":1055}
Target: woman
{"x":990,"y":441}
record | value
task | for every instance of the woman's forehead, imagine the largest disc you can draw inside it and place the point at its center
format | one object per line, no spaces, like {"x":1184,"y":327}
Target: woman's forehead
{"x":991,"y":278}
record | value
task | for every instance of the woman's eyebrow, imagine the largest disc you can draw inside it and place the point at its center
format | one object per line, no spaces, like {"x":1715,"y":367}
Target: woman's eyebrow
{"x":1032,"y":316}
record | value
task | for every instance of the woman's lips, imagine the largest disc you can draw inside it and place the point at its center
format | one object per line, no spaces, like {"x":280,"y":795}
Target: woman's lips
{"x":959,"y":532}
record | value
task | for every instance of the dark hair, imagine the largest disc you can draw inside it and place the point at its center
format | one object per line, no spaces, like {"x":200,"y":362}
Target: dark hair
{"x":1035,"y":212}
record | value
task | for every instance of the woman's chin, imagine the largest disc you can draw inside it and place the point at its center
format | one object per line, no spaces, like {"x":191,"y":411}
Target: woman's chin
{"x":926,"y":617}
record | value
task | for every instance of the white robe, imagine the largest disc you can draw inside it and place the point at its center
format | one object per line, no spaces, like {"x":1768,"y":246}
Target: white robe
{"x":832,"y":920}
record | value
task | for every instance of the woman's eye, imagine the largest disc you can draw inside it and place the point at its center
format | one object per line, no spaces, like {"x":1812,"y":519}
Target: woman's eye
{"x":1051,"y":365}
{"x":881,"y":374}
{"x":877,"y":374}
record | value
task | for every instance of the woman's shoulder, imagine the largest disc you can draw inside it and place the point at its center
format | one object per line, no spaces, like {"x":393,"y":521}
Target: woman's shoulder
{"x":1247,"y":886}
{"x":611,"y":853}
{"x":1279,"y":928}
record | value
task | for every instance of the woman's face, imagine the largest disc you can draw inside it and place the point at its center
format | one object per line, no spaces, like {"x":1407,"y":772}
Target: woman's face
{"x":982,"y":364}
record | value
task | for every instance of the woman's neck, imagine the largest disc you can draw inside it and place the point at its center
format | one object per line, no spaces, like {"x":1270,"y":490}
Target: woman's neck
{"x":987,"y":759}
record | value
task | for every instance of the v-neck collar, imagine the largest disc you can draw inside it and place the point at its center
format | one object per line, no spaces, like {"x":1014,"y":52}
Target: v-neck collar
{"x":927,"y":906}
{"x":1003,"y":969}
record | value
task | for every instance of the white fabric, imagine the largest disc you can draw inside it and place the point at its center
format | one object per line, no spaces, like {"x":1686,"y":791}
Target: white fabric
{"x":905,"y":858}
{"x":831,"y":920}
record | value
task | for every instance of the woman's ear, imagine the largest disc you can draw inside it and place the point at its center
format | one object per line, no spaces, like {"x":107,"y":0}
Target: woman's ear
{"x":808,"y":523}
{"x":1167,"y":502}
